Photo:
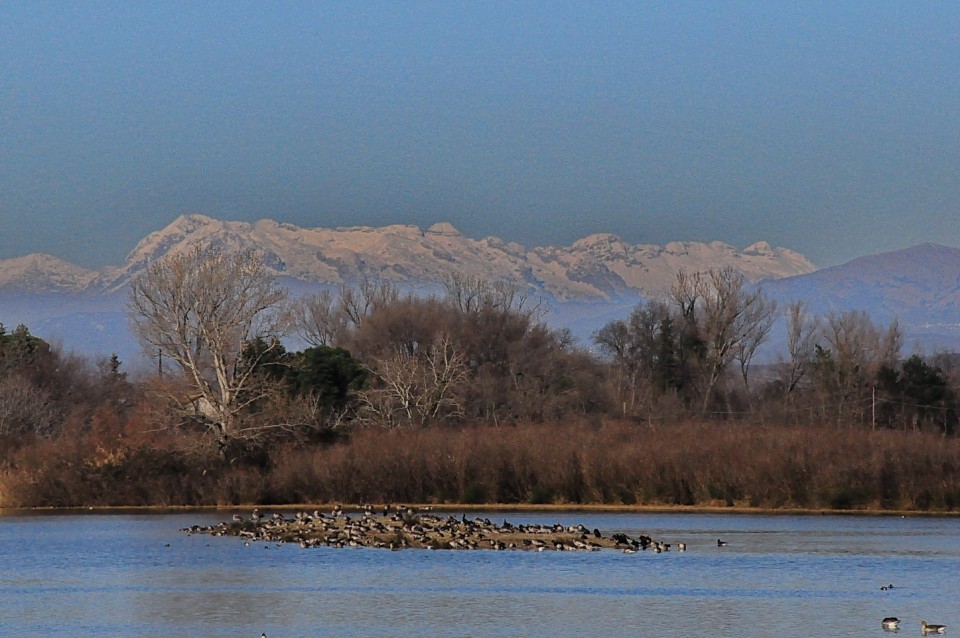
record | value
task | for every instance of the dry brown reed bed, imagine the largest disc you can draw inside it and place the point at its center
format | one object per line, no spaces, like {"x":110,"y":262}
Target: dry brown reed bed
{"x":726,"y":466}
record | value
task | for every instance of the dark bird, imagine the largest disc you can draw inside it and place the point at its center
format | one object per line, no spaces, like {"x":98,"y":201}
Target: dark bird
{"x":721,"y":543}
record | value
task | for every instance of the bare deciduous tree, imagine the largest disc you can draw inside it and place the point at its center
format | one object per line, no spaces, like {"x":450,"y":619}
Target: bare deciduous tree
{"x":635,"y":347}
{"x":755,"y":325}
{"x":416,"y":387}
{"x":25,"y":408}
{"x":802,"y":333}
{"x":327,"y":319}
{"x":199,"y":308}
{"x":357,"y":302}
{"x":319,"y":318}
{"x":856,"y":349}
{"x":473,"y":295}
{"x":729,"y":318}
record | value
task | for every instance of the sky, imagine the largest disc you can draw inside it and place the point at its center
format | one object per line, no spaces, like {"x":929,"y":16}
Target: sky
{"x":830,"y":128}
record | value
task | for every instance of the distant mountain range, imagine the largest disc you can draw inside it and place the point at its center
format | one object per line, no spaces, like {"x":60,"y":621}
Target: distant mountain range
{"x":593,"y":280}
{"x":595,"y":267}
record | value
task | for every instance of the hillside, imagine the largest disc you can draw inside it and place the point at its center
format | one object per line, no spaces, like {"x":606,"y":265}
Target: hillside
{"x":919,"y":285}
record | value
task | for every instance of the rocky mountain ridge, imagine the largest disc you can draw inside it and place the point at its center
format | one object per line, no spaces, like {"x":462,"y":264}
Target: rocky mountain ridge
{"x":597,"y":267}
{"x":586,"y":284}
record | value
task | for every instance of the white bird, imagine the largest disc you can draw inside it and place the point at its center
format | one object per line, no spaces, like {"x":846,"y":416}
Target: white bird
{"x":931,"y":629}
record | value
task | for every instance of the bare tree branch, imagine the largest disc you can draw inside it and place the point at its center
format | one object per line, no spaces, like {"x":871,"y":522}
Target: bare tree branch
{"x":199,"y":308}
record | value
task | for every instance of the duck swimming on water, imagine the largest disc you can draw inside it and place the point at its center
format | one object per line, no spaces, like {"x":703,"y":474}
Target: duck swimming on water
{"x":931,"y":629}
{"x":721,"y":543}
{"x":890,"y":623}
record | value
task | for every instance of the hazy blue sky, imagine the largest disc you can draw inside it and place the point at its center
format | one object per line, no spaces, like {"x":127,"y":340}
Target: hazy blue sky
{"x":830,"y":128}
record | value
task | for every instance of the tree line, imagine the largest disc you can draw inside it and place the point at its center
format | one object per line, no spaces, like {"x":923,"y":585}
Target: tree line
{"x":232,"y":399}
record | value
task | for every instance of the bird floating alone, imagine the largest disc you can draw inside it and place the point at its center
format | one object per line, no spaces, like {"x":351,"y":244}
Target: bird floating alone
{"x":931,"y":629}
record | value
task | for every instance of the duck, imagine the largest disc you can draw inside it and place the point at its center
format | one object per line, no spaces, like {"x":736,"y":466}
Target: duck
{"x":931,"y":629}
{"x":721,"y":543}
{"x":890,"y":623}
{"x":886,"y":587}
{"x":682,"y":547}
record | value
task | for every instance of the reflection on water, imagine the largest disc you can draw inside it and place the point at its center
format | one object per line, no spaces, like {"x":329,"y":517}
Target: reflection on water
{"x":779,"y":576}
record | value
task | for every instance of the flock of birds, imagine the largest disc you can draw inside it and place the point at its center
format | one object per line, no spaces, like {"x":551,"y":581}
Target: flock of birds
{"x":402,"y":527}
{"x":892,"y":623}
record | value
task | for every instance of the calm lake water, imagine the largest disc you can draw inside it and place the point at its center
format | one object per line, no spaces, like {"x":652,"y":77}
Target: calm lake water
{"x":133,"y":575}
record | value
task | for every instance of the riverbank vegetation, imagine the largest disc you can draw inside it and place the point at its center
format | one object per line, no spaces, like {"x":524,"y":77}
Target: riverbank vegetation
{"x":468,"y":397}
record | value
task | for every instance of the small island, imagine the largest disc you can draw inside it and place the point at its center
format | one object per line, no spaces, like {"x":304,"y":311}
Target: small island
{"x":406,"y":528}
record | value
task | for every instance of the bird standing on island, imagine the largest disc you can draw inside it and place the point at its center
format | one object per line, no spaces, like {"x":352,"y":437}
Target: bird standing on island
{"x":931,"y":629}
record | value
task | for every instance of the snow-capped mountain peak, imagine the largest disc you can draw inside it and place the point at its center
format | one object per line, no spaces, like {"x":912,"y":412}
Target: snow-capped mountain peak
{"x":38,"y":272}
{"x":599,"y":266}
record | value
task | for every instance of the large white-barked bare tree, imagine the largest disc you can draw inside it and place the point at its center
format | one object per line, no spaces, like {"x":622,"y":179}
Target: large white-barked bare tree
{"x":200,"y":308}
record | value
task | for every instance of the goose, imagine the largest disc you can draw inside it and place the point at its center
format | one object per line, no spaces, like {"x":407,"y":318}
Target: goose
{"x":931,"y":629}
{"x":721,"y":543}
{"x":890,"y":623}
